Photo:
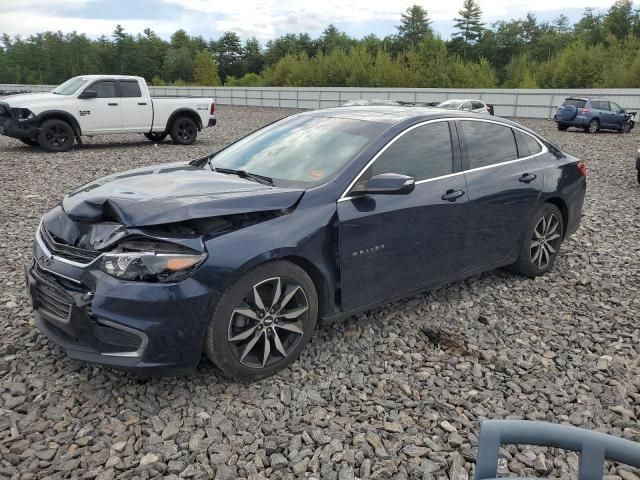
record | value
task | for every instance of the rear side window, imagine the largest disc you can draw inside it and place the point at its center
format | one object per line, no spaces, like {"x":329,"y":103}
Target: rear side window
{"x":488,"y":143}
{"x":422,"y":153}
{"x":130,"y":89}
{"x":527,"y":145}
{"x":575,"y":102}
{"x":104,"y":89}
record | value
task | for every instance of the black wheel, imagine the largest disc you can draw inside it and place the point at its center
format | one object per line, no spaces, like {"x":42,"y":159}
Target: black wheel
{"x":156,"y":137}
{"x":639,"y":176}
{"x":55,"y":136}
{"x":541,"y":243}
{"x":263,"y":321}
{"x":593,"y":126}
{"x":562,"y":127}
{"x":183,"y":131}
{"x":29,"y":141}
{"x":626,"y":127}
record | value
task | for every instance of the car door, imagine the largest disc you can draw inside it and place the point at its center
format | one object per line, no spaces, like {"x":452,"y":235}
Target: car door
{"x":504,"y":186}
{"x":607,"y":117}
{"x":391,"y":244}
{"x":137,"y":111}
{"x":617,"y":114}
{"x":101,"y":114}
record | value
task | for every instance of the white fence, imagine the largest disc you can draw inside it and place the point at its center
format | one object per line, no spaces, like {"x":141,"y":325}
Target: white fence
{"x":534,"y":103}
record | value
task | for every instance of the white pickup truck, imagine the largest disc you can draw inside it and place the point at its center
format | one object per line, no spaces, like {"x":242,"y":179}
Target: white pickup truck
{"x":98,"y":105}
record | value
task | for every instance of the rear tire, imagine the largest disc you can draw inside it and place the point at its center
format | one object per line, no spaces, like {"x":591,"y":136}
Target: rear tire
{"x":156,"y":137}
{"x":253,"y":335}
{"x":562,"y":127}
{"x":29,"y":141}
{"x":593,"y":126}
{"x":541,"y":244}
{"x":56,"y":136}
{"x":183,"y":131}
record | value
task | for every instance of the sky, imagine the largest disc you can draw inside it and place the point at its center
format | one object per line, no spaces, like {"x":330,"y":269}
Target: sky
{"x":264,"y":19}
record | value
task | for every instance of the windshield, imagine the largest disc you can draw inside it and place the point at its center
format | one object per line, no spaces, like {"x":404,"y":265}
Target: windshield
{"x":69,"y":87}
{"x":303,"y":148}
{"x":450,"y":104}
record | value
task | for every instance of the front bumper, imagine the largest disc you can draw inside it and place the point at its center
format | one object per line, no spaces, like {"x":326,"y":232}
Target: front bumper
{"x":18,"y":128}
{"x":129,"y":325}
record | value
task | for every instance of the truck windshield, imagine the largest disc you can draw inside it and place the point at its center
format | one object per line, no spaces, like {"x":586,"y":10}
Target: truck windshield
{"x":305,"y":149}
{"x":69,"y":87}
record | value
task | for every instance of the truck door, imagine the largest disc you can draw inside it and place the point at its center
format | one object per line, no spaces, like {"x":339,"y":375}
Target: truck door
{"x":137,"y":111}
{"x":101,"y":113}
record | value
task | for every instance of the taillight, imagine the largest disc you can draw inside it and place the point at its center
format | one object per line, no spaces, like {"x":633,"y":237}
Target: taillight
{"x":213,"y":109}
{"x":583,"y":169}
{"x":585,"y":110}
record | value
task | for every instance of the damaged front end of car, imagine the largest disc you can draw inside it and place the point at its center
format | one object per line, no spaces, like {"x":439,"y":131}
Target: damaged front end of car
{"x":17,"y":123}
{"x":112,"y":285}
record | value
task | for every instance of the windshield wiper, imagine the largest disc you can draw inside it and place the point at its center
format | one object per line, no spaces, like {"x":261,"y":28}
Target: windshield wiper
{"x":244,"y":174}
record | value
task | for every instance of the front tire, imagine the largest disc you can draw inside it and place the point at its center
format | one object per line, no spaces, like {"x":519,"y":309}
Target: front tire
{"x":541,"y":243}
{"x":593,"y":126}
{"x":183,"y":131}
{"x":156,"y":137}
{"x":562,"y":127}
{"x":263,"y":321}
{"x":56,"y":136}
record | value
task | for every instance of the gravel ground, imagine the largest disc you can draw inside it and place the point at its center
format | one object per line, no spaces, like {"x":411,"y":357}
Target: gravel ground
{"x":397,"y":393}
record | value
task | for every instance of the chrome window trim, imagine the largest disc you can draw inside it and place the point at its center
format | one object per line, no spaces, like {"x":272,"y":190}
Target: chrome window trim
{"x":60,"y":259}
{"x":144,"y":340}
{"x":543,"y":150}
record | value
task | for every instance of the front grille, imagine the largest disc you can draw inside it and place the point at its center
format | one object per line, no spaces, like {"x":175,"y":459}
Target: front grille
{"x":75,"y":254}
{"x":51,"y":299}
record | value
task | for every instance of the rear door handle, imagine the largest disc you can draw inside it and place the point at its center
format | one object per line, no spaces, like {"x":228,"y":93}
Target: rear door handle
{"x":452,"y":195}
{"x":527,"y":178}
{"x":112,"y":104}
{"x":142,"y":103}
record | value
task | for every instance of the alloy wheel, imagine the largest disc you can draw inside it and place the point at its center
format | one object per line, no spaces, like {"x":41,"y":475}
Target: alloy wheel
{"x":269,"y":323}
{"x":545,"y":241}
{"x":56,"y":136}
{"x":185,"y":130}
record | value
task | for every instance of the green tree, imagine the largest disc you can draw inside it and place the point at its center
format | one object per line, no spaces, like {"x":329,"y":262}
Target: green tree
{"x":205,"y":71}
{"x":469,"y":25}
{"x":228,"y":51}
{"x":252,"y":57}
{"x":621,"y":20}
{"x":414,"y":26}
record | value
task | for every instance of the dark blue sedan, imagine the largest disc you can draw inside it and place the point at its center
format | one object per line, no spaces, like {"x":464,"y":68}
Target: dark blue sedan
{"x":315,"y":217}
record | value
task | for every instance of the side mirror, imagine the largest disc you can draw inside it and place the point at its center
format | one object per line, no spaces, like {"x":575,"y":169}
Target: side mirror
{"x":390,"y":184}
{"x":88,"y":94}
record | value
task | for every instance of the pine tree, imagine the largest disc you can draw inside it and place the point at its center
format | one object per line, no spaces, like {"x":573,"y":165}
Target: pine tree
{"x":469,"y":26}
{"x":414,"y":27}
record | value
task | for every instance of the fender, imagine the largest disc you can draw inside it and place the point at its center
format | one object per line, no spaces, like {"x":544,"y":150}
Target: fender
{"x":62,"y":115}
{"x":190,"y":112}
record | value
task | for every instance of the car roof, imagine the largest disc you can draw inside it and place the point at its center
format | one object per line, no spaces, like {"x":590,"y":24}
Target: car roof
{"x":109,"y":77}
{"x":395,"y":114}
{"x":462,"y":100}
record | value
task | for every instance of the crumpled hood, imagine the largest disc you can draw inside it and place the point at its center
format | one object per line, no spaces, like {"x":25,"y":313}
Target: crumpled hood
{"x":172,"y":193}
{"x":30,"y":99}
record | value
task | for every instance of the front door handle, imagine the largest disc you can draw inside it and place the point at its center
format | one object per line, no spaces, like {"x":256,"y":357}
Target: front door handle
{"x":142,"y":103}
{"x":112,"y":104}
{"x":527,"y":178}
{"x":452,"y":195}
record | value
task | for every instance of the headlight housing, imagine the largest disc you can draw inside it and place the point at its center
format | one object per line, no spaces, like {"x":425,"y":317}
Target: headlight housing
{"x":23,"y":114}
{"x":150,"y":265}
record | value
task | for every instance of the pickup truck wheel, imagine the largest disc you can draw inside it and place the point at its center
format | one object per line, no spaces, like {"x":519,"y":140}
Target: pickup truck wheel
{"x":56,"y":136}
{"x":29,"y":141}
{"x":183,"y":131}
{"x":156,"y":137}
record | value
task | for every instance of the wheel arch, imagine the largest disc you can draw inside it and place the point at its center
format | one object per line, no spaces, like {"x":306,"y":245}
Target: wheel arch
{"x":564,"y":210}
{"x":318,"y":279}
{"x":59,"y":115}
{"x":184,"y":112}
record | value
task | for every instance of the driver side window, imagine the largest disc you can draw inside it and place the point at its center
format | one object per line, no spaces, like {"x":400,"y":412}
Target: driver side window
{"x":422,"y":153}
{"x":615,"y":107}
{"x":104,"y":89}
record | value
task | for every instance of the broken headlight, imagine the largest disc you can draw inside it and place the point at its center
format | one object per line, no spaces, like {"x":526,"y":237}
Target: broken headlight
{"x":151,"y":266}
{"x":23,"y":114}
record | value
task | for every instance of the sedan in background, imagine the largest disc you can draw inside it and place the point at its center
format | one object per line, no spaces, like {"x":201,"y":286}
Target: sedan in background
{"x":467,"y":105}
{"x":240,"y":254}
